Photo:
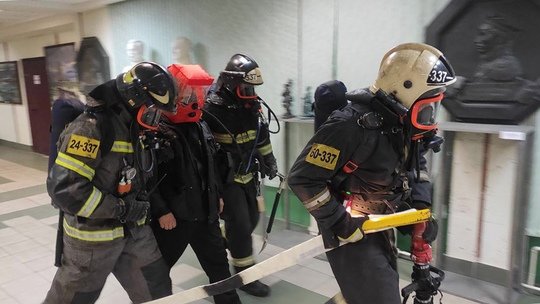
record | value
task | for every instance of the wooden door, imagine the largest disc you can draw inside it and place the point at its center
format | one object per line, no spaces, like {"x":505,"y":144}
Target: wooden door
{"x":39,"y":103}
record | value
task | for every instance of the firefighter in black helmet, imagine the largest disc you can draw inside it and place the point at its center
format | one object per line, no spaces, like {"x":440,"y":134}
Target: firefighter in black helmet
{"x":379,"y":169}
{"x":236,"y":105}
{"x":99,"y":180}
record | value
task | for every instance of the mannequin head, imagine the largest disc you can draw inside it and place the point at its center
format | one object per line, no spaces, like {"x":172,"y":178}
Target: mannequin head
{"x":181,"y":51}
{"x":135,"y":50}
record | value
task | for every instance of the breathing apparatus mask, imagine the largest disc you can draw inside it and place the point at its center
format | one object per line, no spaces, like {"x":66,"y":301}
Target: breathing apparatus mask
{"x":412,"y":79}
{"x":193,"y":83}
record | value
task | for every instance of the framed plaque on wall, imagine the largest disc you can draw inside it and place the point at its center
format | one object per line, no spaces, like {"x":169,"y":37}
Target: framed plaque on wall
{"x":10,"y":91}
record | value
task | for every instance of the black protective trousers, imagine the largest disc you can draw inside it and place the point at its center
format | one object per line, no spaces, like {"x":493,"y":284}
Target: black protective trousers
{"x":241,"y":215}
{"x":366,"y":270}
{"x":207,"y":243}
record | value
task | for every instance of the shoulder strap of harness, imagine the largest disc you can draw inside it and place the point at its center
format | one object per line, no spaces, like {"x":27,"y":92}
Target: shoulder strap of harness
{"x":370,"y":120}
{"x":352,"y":164}
{"x":106,"y":128}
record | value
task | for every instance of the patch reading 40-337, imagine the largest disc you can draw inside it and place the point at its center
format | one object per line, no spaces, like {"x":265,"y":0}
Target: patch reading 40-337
{"x":323,"y":156}
{"x":83,"y":146}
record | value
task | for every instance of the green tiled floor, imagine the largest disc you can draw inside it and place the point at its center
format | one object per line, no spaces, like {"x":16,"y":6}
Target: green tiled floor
{"x":40,"y":212}
{"x":24,"y":192}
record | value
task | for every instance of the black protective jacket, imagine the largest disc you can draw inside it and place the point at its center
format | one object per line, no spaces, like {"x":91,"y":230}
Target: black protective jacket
{"x":242,"y":119}
{"x":317,"y":176}
{"x":83,"y":180}
{"x":191,"y":185}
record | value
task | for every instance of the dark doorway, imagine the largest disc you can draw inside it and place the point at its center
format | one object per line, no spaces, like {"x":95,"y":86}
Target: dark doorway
{"x":39,"y":104}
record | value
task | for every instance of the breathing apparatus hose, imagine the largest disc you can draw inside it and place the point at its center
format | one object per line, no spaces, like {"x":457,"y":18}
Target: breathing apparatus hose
{"x":254,"y":146}
{"x":270,"y":114}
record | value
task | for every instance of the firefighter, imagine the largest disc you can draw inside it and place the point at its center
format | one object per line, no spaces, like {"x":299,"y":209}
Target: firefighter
{"x":369,"y":155}
{"x":237,"y":108}
{"x":188,"y":202}
{"x":98,"y":180}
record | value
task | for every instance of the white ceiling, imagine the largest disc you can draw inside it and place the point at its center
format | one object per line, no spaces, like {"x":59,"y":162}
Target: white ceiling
{"x":13,"y":12}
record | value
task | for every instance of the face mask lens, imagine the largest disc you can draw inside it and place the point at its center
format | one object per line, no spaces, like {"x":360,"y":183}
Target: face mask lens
{"x":157,"y":85}
{"x":246,"y":91}
{"x":426,"y":115}
{"x":188,"y":95}
{"x":424,"y":112}
{"x":149,"y":117}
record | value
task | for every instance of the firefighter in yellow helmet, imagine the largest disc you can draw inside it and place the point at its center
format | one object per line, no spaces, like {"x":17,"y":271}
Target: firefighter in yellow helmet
{"x":367,"y":158}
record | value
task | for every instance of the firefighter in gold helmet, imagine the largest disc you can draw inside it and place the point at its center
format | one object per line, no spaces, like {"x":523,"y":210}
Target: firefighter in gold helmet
{"x":379,"y":169}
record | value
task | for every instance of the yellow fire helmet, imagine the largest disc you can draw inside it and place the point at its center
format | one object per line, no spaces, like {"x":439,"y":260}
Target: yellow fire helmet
{"x":411,"y":71}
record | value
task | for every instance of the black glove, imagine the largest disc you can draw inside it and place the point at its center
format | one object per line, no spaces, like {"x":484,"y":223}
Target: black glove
{"x":432,"y":227}
{"x":270,"y":166}
{"x":129,"y":209}
{"x":349,"y":229}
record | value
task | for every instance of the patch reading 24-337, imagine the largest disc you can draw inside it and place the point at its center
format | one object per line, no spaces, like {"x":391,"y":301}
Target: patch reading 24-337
{"x":323,"y":156}
{"x":83,"y":146}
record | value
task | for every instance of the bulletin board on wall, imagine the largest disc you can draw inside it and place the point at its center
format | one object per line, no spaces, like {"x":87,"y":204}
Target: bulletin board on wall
{"x":10,"y":91}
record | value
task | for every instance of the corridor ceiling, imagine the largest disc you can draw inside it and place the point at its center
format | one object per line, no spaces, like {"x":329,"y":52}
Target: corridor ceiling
{"x":13,"y":12}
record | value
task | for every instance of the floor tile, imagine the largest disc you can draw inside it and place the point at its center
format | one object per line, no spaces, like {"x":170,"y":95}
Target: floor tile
{"x":51,"y":220}
{"x":328,"y":288}
{"x":19,"y":288}
{"x":48,"y":273}
{"x":12,"y":269}
{"x":41,"y":263}
{"x":23,"y":245}
{"x":4,"y":180}
{"x":23,"y":192}
{"x":38,"y":212}
{"x":181,"y":273}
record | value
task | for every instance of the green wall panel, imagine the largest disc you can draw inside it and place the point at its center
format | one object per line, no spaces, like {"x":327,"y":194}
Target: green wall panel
{"x":533,"y":241}
{"x":297,"y":213}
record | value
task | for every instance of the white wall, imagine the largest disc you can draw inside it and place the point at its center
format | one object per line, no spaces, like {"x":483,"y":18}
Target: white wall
{"x":98,"y":23}
{"x":290,"y":39}
{"x":16,"y":123}
{"x":27,"y":41}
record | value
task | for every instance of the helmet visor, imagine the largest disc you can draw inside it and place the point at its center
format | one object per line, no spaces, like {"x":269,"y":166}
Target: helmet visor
{"x":160,"y":92}
{"x":186,"y":95}
{"x":246,"y":91}
{"x":424,"y":112}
